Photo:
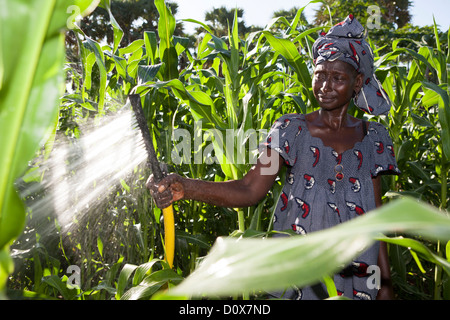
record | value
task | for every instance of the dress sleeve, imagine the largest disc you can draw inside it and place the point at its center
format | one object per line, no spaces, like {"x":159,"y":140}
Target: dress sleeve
{"x":383,"y":160}
{"x":282,"y":138}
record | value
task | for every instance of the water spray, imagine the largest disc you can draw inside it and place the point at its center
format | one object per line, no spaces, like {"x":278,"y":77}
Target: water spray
{"x":169,"y":225}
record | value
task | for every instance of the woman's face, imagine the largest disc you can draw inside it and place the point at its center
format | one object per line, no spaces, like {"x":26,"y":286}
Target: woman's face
{"x":334,"y":84}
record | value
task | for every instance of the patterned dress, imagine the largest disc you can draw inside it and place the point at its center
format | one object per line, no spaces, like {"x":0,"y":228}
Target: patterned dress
{"x":324,"y":188}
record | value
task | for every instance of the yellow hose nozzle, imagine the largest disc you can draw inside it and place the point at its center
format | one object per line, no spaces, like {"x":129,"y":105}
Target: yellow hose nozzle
{"x":169,"y":234}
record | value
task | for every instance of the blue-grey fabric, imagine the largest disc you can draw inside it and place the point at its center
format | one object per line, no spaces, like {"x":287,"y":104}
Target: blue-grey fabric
{"x":324,"y":188}
{"x":345,"y":41}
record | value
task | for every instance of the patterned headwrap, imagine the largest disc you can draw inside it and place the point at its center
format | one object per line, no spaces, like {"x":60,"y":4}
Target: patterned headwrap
{"x":345,"y":41}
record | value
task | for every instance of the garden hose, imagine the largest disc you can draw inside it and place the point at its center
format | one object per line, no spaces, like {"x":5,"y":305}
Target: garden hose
{"x":169,"y":224}
{"x":169,"y":234}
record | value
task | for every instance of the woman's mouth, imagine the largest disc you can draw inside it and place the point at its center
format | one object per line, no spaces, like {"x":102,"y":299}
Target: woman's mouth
{"x":325,"y":98}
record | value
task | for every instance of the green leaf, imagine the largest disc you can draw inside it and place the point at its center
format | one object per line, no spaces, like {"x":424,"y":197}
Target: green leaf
{"x":143,"y":271}
{"x":444,"y":114}
{"x":151,"y":46}
{"x":151,"y":284}
{"x":124,"y":185}
{"x":195,"y":239}
{"x":143,"y":291}
{"x":430,"y":98}
{"x":121,"y":66}
{"x":200,"y":103}
{"x":86,"y":6}
{"x":419,"y":249}
{"x":55,"y":282}
{"x":94,"y":47}
{"x":447,"y":251}
{"x":289,"y":51}
{"x":117,"y":30}
{"x":6,"y":266}
{"x":436,"y":34}
{"x":167,"y":52}
{"x":331,"y":287}
{"x":132,"y":47}
{"x":181,"y":44}
{"x":207,"y":28}
{"x":100,"y":245}
{"x":124,"y":275}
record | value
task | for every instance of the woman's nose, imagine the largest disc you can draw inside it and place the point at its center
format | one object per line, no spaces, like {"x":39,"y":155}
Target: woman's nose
{"x":326,"y":85}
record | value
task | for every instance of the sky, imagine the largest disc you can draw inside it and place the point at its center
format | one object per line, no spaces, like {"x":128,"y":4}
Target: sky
{"x":259,"y":12}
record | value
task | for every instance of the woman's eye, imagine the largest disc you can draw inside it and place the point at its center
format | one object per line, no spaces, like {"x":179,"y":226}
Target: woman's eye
{"x":320,"y":76}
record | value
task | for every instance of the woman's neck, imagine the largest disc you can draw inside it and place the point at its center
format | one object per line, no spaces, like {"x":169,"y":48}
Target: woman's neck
{"x":334,"y":119}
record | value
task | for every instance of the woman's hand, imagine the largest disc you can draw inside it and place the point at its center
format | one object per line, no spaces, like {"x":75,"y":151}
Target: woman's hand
{"x":167,"y":191}
{"x":245,"y":192}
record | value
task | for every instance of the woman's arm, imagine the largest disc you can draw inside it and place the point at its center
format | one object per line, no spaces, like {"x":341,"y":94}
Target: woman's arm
{"x":386,"y":291}
{"x":245,"y":192}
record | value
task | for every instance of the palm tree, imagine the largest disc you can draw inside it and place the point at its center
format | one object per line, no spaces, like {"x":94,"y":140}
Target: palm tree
{"x":394,"y":14}
{"x":290,"y":15}
{"x":221,"y":18}
{"x":133,"y":16}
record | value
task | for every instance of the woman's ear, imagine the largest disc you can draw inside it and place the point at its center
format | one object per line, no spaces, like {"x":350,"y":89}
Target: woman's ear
{"x":359,"y":81}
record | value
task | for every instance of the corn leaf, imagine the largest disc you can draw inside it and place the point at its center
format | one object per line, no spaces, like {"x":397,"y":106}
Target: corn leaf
{"x":444,"y":114}
{"x":117,"y":30}
{"x":125,"y":274}
{"x":32,"y":56}
{"x":287,"y":49}
{"x":167,"y":51}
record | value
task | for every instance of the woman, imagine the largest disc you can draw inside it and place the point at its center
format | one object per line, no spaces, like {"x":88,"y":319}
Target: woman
{"x":333,"y":160}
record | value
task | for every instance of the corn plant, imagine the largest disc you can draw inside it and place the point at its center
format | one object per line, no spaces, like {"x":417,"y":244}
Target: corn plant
{"x":31,"y":82}
{"x":418,"y":123}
